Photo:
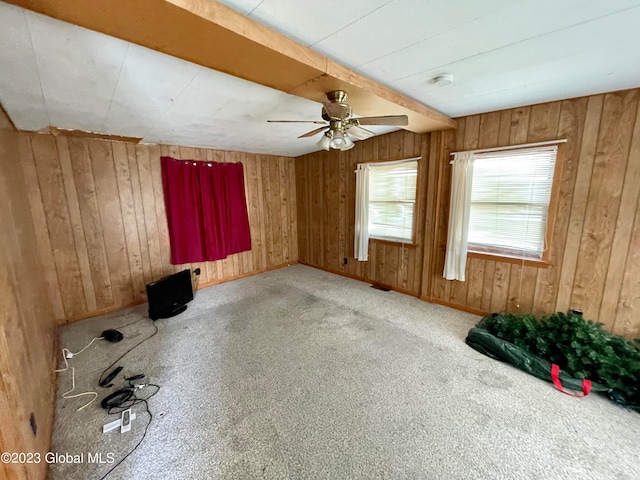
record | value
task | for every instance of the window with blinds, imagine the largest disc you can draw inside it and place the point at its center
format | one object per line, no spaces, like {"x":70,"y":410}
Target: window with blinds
{"x":392,"y":198}
{"x":510,"y":197}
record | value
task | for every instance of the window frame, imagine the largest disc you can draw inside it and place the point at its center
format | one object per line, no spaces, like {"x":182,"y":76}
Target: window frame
{"x":552,"y":211}
{"x":414,"y":222}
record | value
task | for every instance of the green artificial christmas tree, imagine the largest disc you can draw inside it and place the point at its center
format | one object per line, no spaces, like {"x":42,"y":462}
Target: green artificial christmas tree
{"x":580,"y":347}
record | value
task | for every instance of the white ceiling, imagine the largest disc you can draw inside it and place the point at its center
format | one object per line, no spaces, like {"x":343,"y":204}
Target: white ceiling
{"x":502,"y":53}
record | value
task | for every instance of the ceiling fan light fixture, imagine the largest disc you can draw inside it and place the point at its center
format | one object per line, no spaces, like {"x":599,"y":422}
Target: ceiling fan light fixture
{"x":325,"y":141}
{"x":348,"y":144}
{"x":338,"y":139}
{"x":337,"y":119}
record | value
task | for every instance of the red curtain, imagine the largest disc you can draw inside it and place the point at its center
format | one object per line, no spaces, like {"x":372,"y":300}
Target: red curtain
{"x":206,"y":209}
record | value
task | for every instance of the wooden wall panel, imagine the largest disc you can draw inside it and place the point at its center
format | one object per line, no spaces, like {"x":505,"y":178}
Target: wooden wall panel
{"x":593,"y":261}
{"x":43,"y":241}
{"x":254,"y":202}
{"x":129,"y":219}
{"x":156,"y":262}
{"x":325,"y":189}
{"x":603,"y":204}
{"x":435,"y":286}
{"x":56,"y":211}
{"x":572,"y":116}
{"x":75,"y":218}
{"x":430,"y":195}
{"x":275,"y":224}
{"x":291,"y":209}
{"x":26,"y":316}
{"x":620,"y":245}
{"x":90,"y":214}
{"x":626,"y":321}
{"x":100,"y":207}
{"x":108,"y":197}
{"x":580,"y":192}
{"x":162,"y":234}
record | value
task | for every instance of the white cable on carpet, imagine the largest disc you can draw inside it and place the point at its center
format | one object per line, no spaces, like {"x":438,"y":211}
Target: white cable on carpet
{"x":66,"y":354}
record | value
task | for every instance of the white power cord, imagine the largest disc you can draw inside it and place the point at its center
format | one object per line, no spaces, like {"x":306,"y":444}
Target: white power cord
{"x":68,"y":354}
{"x":73,"y":386}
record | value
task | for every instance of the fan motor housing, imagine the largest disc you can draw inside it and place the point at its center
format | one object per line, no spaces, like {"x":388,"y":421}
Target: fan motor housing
{"x":337,"y":108}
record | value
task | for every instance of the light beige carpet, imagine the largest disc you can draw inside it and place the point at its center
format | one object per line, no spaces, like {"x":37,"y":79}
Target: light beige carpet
{"x":301,"y":374}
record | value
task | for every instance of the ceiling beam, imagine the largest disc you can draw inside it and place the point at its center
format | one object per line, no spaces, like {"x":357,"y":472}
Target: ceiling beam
{"x":213,"y":35}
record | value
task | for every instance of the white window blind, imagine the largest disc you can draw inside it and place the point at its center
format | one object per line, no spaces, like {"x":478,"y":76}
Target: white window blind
{"x":392,"y":198}
{"x":510,"y":198}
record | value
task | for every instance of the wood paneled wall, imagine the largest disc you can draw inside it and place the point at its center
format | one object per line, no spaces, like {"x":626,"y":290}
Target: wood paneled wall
{"x":594,"y":259}
{"x":326,"y":212}
{"x":26,"y":325}
{"x":99,"y":207}
{"x":595,"y":250}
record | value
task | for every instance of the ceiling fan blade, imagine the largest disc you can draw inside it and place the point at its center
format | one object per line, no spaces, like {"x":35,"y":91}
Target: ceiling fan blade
{"x":298,"y":121}
{"x":399,"y":120}
{"x":360,"y":133}
{"x":313,"y":132}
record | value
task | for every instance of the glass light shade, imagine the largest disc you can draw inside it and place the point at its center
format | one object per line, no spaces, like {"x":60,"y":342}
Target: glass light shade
{"x":338,"y":139}
{"x":348,"y":144}
{"x":325,"y":141}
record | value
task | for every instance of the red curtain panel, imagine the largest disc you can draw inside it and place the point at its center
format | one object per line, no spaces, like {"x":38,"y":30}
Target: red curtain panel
{"x":206,"y":209}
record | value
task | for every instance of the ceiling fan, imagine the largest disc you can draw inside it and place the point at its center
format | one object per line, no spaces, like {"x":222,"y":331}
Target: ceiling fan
{"x":339,"y":125}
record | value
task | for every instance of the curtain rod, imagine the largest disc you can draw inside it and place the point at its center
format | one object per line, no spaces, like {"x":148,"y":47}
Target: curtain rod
{"x":513,"y":147}
{"x":392,"y":162}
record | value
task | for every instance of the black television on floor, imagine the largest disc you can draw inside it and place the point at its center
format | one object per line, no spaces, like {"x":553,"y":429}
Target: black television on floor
{"x":169,"y":295}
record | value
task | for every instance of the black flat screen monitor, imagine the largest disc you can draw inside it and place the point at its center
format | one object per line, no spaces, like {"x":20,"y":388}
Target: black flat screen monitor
{"x":169,"y":295}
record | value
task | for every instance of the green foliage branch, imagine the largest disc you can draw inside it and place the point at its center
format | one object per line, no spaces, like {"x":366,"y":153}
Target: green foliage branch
{"x":580,"y":347}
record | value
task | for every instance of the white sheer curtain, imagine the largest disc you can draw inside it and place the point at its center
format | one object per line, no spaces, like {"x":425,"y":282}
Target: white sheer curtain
{"x":456,"y":257}
{"x":361,"y":238}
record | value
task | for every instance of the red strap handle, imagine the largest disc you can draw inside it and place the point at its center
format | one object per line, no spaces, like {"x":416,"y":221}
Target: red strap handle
{"x":555,"y":377}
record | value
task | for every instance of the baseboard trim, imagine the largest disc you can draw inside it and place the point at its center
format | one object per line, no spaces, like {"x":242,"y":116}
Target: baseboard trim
{"x":102,"y":311}
{"x":444,"y":303}
{"x":96,"y":313}
{"x":362,"y":279}
{"x":245,"y":274}
{"x":464,"y":308}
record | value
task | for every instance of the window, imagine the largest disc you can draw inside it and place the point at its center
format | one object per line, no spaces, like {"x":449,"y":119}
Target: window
{"x":385,"y":201}
{"x":510,"y":197}
{"x":392,"y":198}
